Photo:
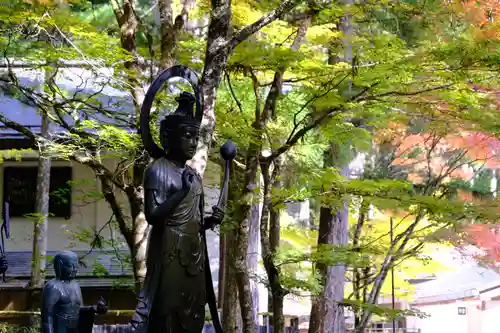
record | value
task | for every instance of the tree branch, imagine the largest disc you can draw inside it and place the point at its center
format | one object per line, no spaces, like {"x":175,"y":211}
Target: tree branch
{"x":410,"y":93}
{"x":267,"y":19}
{"x":99,"y":168}
{"x":185,"y":10}
{"x":235,"y":98}
{"x":18,"y":127}
{"x":110,"y":197}
{"x":292,"y":140}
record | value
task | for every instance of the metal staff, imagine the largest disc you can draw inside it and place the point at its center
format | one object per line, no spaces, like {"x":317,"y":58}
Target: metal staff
{"x":228,"y":152}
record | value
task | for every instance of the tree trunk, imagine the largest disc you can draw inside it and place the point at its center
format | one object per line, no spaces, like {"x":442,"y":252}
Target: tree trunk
{"x":360,"y":278}
{"x":40,"y":224}
{"x":216,"y":56}
{"x":327,"y":313}
{"x":274,"y":230}
{"x":40,"y":220}
{"x":270,"y":220}
{"x":140,"y":235}
{"x":170,"y":29}
{"x":335,"y":278}
{"x":228,"y":229}
{"x":242,"y":220}
{"x":253,"y":255}
{"x":278,"y":315}
{"x":230,"y":303}
{"x":270,"y":244}
{"x":136,"y":235}
{"x":220,"y":44}
{"x":278,"y":294}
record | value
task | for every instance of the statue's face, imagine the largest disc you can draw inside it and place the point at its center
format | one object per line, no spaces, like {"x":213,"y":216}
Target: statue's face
{"x":68,"y":266}
{"x":183,"y":142}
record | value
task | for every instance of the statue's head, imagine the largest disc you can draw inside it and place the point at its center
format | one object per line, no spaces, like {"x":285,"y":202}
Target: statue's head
{"x":65,"y":265}
{"x":179,"y":132}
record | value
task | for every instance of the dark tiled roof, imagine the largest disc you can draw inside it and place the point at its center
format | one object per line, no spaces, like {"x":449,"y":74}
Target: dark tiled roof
{"x":112,"y":100}
{"x":14,"y":284}
{"x":96,"y":264}
{"x":104,"y":282}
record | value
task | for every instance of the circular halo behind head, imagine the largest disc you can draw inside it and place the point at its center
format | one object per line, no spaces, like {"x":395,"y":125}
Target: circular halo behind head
{"x":175,"y":71}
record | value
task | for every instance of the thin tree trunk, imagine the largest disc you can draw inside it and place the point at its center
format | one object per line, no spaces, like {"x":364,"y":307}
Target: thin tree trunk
{"x":170,"y":29}
{"x":41,"y":218}
{"x":216,"y":56}
{"x":243,"y":215}
{"x":40,"y":221}
{"x":274,"y":224}
{"x":395,"y":251}
{"x":140,"y":234}
{"x":230,"y":295}
{"x":270,"y":217}
{"x":270,"y":244}
{"x":230,"y":303}
{"x":327,"y":313}
{"x":253,"y":255}
{"x":137,"y":235}
{"x":359,"y":280}
{"x":220,"y":44}
{"x":334,"y":321}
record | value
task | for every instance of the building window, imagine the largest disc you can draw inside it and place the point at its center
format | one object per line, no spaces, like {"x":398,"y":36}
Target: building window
{"x":462,"y":311}
{"x":20,"y":191}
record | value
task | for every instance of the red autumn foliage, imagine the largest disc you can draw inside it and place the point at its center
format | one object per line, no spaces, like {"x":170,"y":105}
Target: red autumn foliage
{"x":483,"y":15}
{"x":430,"y":153}
{"x":481,"y":12}
{"x":487,"y":239}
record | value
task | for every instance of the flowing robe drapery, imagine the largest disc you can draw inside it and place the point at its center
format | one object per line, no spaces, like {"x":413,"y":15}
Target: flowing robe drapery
{"x":173,"y":297}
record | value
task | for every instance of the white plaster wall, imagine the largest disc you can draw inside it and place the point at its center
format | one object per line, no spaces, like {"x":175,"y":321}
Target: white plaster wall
{"x":442,"y":318}
{"x":412,"y":323}
{"x":491,"y":317}
{"x":60,"y":230}
{"x":85,"y":214}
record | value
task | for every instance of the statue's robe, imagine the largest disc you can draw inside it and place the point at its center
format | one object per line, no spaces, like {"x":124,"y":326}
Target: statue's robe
{"x":62,"y":301}
{"x":63,"y":310}
{"x":173,"y":297}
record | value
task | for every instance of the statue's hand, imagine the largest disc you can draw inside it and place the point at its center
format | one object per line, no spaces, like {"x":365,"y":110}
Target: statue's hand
{"x":101,"y":307}
{"x":137,"y":325}
{"x":214,"y":219}
{"x":187,"y":178}
{"x":217,"y":214}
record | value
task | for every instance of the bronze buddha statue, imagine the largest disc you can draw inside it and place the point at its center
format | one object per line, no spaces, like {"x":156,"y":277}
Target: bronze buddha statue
{"x":178,"y":281}
{"x":62,"y":303}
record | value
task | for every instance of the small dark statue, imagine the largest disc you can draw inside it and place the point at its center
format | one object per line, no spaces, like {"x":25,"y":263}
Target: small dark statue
{"x":4,"y":231}
{"x":178,"y":282}
{"x":63,"y":310}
